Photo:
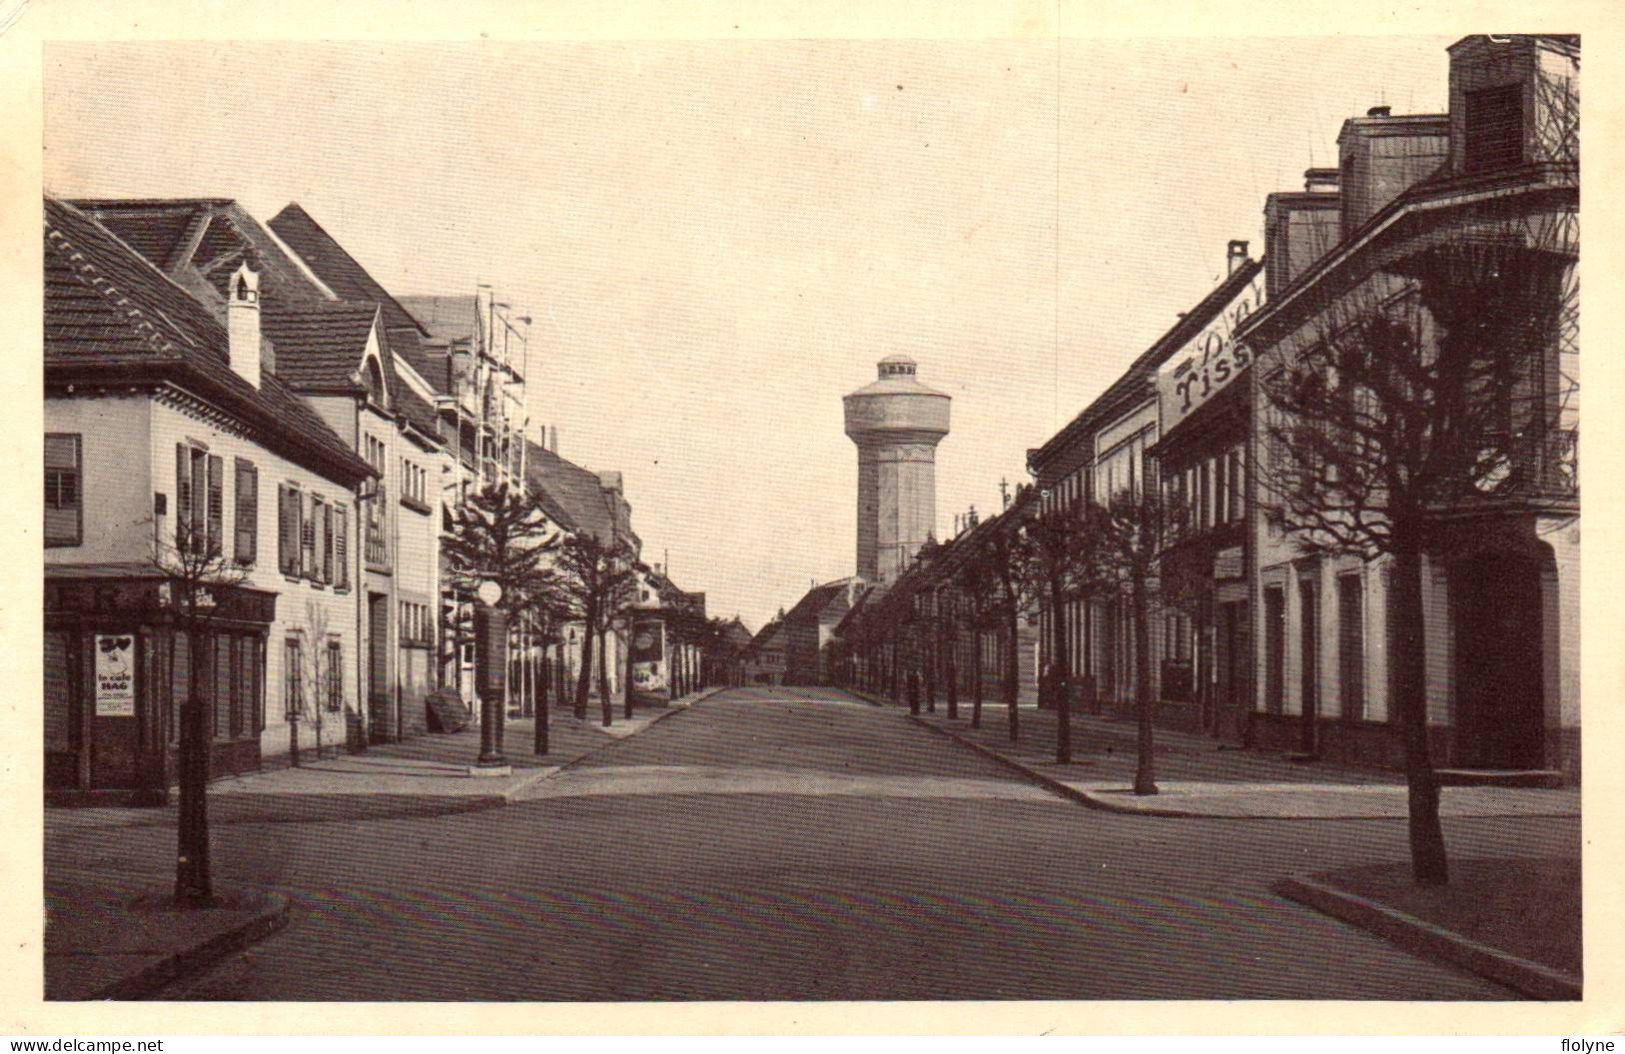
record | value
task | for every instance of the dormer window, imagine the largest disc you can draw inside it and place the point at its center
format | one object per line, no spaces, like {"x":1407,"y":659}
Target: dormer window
{"x":1494,"y":129}
{"x":244,"y":293}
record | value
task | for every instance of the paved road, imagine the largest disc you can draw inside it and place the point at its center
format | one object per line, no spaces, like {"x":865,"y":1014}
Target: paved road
{"x":797,"y":844}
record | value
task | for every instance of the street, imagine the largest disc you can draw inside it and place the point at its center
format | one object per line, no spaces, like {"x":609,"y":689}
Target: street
{"x":798,"y":844}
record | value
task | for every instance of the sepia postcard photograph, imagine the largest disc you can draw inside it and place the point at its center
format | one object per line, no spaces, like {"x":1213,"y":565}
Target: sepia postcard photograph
{"x":1054,"y":515}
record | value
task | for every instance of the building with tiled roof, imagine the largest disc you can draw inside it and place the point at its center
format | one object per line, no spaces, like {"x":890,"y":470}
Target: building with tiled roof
{"x":810,"y":626}
{"x":166,"y":432}
{"x":330,"y":342}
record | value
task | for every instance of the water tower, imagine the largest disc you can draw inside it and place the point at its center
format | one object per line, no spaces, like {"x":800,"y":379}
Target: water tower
{"x":896,"y":423}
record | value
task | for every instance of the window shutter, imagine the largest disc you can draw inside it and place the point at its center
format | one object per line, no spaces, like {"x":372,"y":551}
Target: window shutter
{"x":246,"y":527}
{"x":307,"y":536}
{"x":318,"y":537}
{"x":200,"y":502}
{"x":183,"y":496}
{"x":217,"y":503}
{"x":284,"y":519}
{"x":341,"y":547}
{"x":327,"y":543}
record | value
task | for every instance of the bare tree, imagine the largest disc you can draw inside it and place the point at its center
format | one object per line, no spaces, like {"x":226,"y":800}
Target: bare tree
{"x":1006,"y":561}
{"x":1064,"y":565}
{"x":598,"y":583}
{"x":1441,"y":384}
{"x":1133,"y":530}
{"x":195,"y":570}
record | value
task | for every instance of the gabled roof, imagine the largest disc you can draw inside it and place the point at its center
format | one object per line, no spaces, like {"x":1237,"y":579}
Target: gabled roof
{"x":111,"y":316}
{"x":338,"y":268}
{"x":572,"y":495}
{"x":771,"y":636}
{"x":319,"y":346}
{"x":828,"y":599}
{"x":449,"y":318}
{"x":200,"y":243}
{"x":1138,"y":382}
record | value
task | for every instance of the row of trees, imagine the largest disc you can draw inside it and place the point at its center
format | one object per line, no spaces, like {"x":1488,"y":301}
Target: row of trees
{"x":983,"y":582}
{"x":551,"y":579}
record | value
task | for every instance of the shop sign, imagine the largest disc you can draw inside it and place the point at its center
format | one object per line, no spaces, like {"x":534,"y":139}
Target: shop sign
{"x":1227,"y":563}
{"x":1206,"y":365}
{"x":115,"y":675}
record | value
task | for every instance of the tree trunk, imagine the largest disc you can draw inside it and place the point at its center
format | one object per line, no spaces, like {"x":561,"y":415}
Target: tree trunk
{"x":913,"y":690}
{"x":606,"y":704}
{"x":1012,"y":687}
{"x":952,"y":677}
{"x":928,"y":655}
{"x":1060,"y":674}
{"x":584,"y":680}
{"x":1145,"y":774}
{"x":194,"y":887}
{"x":540,"y":676}
{"x":1429,"y":866}
{"x":627,"y":711}
{"x":976,"y":678}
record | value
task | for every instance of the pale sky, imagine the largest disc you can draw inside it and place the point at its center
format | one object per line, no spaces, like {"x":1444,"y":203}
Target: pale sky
{"x":719,"y":240}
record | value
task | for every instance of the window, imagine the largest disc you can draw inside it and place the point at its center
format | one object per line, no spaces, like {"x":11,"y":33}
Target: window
{"x":414,"y":483}
{"x":226,"y":689}
{"x":293,"y":677}
{"x":64,"y":511}
{"x":246,"y":523}
{"x":335,"y":676}
{"x":1493,"y":129}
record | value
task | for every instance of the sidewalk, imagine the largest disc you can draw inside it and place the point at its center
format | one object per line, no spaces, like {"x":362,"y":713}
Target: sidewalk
{"x":1196,"y":777}
{"x":119,"y":937}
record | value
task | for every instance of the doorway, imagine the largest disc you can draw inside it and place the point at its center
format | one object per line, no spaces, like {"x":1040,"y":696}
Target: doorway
{"x":1495,"y":601}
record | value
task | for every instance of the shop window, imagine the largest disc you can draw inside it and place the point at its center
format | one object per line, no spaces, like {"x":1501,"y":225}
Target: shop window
{"x":64,"y":505}
{"x":225,"y":686}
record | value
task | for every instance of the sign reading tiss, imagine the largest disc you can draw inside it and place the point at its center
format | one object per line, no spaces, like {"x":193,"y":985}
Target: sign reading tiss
{"x":1209,"y":362}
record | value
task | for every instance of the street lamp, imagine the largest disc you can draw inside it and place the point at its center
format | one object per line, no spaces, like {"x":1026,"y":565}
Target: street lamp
{"x":490,"y":678}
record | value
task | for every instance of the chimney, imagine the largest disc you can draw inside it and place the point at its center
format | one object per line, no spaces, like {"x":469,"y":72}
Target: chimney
{"x":553,"y":438}
{"x":610,"y":480}
{"x":1379,"y":111}
{"x":1320,"y":180}
{"x":1235,"y":255}
{"x":243,"y":324}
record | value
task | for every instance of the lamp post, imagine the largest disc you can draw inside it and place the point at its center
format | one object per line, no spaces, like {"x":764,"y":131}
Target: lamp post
{"x":490,"y":678}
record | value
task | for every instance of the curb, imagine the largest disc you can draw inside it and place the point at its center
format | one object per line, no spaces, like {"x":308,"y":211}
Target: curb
{"x":595,"y":751}
{"x":173,"y":967}
{"x":1424,"y":938}
{"x":1049,"y":783}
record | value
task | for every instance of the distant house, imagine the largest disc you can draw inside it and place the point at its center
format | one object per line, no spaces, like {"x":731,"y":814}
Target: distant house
{"x":810,"y":627}
{"x":162,"y":412}
{"x":766,"y":662}
{"x":581,"y":501}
